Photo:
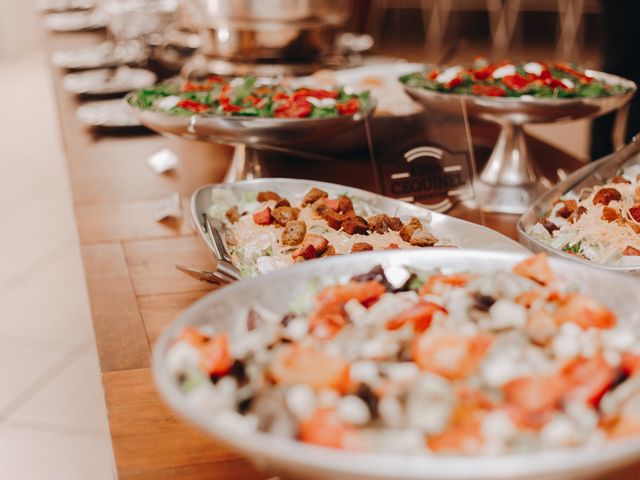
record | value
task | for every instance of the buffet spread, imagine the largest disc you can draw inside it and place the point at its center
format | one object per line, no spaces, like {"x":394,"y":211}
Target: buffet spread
{"x":353,"y":334}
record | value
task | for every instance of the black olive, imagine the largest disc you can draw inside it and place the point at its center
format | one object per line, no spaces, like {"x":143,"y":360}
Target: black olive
{"x":483,"y":302}
{"x":375,"y":274}
{"x":367,"y":395}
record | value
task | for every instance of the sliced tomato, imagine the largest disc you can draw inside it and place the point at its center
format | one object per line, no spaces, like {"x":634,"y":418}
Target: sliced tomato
{"x":227,"y":106}
{"x":563,"y":67}
{"x":584,"y":312}
{"x":420,"y":315}
{"x":296,"y":108}
{"x":316,"y":93}
{"x":488,"y":90}
{"x":263,"y":217}
{"x":325,"y":429}
{"x":483,"y":73}
{"x":349,"y":107}
{"x":450,"y":355}
{"x":215,"y":79}
{"x":294,"y":364}
{"x":587,"y":379}
{"x":194,"y":87}
{"x":515,"y":82}
{"x":192,"y":106}
{"x":215,"y":357}
{"x":251,"y":100}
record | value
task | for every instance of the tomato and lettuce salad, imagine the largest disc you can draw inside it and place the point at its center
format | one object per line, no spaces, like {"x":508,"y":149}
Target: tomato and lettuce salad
{"x":249,"y":97}
{"x":512,"y":79}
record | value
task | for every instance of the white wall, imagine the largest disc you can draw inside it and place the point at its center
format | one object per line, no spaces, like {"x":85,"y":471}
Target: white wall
{"x":18,"y":27}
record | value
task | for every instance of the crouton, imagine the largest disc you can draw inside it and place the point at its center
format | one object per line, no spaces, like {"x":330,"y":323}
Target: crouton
{"x":283,"y":215}
{"x":361,"y":247}
{"x":268,"y":195}
{"x":313,"y":195}
{"x":293,"y":233}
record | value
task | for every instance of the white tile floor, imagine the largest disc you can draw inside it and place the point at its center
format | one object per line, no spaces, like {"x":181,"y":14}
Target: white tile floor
{"x":53,"y":422}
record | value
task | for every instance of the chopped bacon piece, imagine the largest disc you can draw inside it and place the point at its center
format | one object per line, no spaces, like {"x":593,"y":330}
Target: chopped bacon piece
{"x":635,"y":213}
{"x":549,"y":225}
{"x":610,"y":214}
{"x":605,"y":196}
{"x":620,"y":179}
{"x":263,"y":217}
{"x":631,"y":251}
{"x":569,"y":206}
{"x":577,"y":214}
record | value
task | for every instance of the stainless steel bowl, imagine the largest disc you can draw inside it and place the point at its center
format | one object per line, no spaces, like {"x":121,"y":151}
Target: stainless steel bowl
{"x":290,"y":459}
{"x":461,"y":233}
{"x":510,"y":181}
{"x":590,"y":175}
{"x":269,"y":31}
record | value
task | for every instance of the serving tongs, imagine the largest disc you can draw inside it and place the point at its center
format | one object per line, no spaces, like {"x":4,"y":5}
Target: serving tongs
{"x":226,"y":272}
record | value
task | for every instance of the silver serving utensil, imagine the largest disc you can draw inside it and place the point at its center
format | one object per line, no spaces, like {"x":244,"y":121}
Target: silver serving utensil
{"x":225,"y":265}
{"x":206,"y":276}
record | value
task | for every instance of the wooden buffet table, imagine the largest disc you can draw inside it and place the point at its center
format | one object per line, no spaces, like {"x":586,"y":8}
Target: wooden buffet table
{"x":134,"y":288}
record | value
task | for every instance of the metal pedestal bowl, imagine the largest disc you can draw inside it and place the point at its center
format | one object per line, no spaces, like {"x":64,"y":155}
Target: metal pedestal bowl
{"x":272,"y":134}
{"x":510,"y":181}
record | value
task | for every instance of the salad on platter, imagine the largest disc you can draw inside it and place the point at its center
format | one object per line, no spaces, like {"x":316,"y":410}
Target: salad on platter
{"x":266,"y":231}
{"x":514,"y":79}
{"x":600,"y":223}
{"x":249,"y":97}
{"x":404,"y":361}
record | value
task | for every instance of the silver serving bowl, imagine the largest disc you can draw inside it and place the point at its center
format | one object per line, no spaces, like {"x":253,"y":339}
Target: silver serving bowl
{"x":463,"y":234}
{"x":510,"y":180}
{"x":276,"y":30}
{"x":297,"y":135}
{"x":591,"y":175}
{"x":289,"y":459}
